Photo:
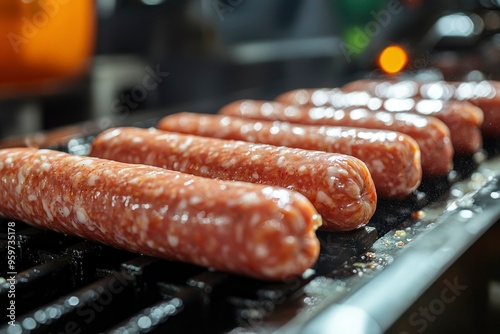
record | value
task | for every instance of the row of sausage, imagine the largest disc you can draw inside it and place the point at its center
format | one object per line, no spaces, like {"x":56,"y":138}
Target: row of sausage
{"x":244,"y":191}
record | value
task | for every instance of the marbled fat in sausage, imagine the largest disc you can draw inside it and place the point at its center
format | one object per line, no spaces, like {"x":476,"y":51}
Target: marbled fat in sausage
{"x":392,"y":158}
{"x":260,"y":231}
{"x":432,"y":135}
{"x":462,"y":118}
{"x":339,"y":186}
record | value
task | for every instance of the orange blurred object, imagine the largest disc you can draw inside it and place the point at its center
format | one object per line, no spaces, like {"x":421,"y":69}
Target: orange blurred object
{"x":44,"y":43}
{"x":393,"y":59}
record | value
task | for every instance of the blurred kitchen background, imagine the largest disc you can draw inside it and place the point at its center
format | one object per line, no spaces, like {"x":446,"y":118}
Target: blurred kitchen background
{"x":68,"y":61}
{"x":110,"y":62}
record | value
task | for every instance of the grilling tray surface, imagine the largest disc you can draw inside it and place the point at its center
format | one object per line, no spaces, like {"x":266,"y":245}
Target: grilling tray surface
{"x":66,"y":284}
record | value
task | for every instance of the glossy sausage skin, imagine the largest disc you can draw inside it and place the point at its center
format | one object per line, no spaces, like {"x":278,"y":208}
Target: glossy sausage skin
{"x":392,"y":158}
{"x":484,"y":94}
{"x":462,"y":118}
{"x":432,"y":136}
{"x":244,"y":228}
{"x":339,"y":186}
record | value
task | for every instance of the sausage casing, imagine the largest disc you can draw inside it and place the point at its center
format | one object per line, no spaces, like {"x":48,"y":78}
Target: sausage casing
{"x":462,"y":118}
{"x":339,"y":186}
{"x":249,"y":229}
{"x":432,"y":135}
{"x":392,"y":158}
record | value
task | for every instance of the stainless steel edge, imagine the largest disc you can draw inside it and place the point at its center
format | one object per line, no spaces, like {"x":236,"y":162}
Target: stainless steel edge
{"x":414,"y":270}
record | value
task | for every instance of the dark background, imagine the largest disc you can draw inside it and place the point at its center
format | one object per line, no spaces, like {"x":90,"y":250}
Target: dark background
{"x":217,"y":50}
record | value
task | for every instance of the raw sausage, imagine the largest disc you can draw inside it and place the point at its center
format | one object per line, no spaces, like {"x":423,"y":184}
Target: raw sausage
{"x":484,"y":94}
{"x":244,"y":228}
{"x":339,"y":186}
{"x":432,"y":136}
{"x":392,"y":158}
{"x":462,"y":118}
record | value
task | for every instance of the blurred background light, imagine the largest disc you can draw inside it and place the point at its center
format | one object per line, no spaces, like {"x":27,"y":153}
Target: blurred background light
{"x":393,"y":59}
{"x":458,"y":24}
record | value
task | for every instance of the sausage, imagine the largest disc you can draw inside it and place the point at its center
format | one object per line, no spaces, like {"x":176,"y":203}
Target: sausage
{"x":462,"y":118}
{"x":432,"y":136}
{"x":484,"y":94}
{"x":491,"y":109}
{"x":260,"y":231}
{"x":339,"y":186}
{"x":392,"y":158}
{"x":389,"y":89}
